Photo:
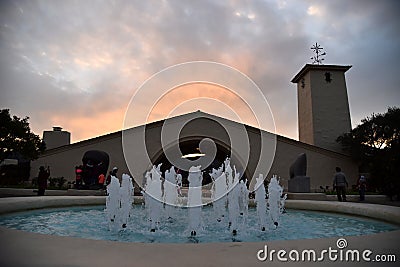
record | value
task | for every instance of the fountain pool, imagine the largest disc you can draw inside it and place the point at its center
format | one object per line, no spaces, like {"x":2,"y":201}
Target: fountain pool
{"x":90,"y":223}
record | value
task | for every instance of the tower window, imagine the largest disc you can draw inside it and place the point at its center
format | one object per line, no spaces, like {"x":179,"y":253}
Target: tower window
{"x":303,"y":83}
{"x":328,"y":77}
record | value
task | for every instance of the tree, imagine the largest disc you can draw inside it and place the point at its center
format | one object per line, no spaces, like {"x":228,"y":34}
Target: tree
{"x":375,"y":145}
{"x":16,"y":138}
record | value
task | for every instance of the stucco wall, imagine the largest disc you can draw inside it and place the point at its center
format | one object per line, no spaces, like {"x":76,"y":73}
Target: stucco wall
{"x":62,"y":161}
{"x":305,"y":111}
{"x":330,"y":108}
{"x":321,"y":163}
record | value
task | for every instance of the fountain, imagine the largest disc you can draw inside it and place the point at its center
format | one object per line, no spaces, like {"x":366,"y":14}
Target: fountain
{"x":112,"y":203}
{"x":229,"y":195}
{"x":179,"y":186}
{"x":170,"y":191}
{"x":126,"y":198}
{"x":192,"y":222}
{"x":233,"y":199}
{"x":194,"y":199}
{"x":275,"y":203}
{"x":218,"y":192}
{"x":89,"y":222}
{"x":119,"y":202}
{"x":243,"y":199}
{"x":261,"y":204}
{"x":228,"y":190}
{"x":153,"y":196}
{"x":276,"y":200}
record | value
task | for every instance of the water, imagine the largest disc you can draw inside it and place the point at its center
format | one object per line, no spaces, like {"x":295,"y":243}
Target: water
{"x":162,"y":194}
{"x":153,"y":196}
{"x":171,"y":192}
{"x":243,"y":198}
{"x":229,"y":190}
{"x":126,"y":195}
{"x":112,"y":204}
{"x":276,"y":200}
{"x":218,"y":192}
{"x":233,"y":200}
{"x":194,"y":199}
{"x":260,"y":202}
{"x":119,"y":202}
{"x":161,"y":220}
{"x":91,"y":223}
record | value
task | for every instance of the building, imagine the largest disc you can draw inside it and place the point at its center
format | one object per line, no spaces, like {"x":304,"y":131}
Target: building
{"x":134,"y":150}
{"x":56,"y":138}
{"x":323,"y":107}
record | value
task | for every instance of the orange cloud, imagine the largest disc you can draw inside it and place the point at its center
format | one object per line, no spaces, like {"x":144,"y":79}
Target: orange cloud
{"x":84,"y":127}
{"x":206,"y":97}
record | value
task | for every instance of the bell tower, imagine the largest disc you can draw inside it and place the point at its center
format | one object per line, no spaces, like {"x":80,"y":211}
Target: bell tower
{"x":323,"y":106}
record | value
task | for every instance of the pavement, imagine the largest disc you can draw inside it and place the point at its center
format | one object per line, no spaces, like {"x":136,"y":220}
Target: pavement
{"x":20,"y":248}
{"x":21,"y":192}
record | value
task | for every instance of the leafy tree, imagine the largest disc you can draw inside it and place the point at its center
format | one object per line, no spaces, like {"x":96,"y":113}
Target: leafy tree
{"x":16,"y":138}
{"x":375,"y":144}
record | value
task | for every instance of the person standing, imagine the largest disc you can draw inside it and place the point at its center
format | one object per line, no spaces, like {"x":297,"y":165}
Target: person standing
{"x":42,"y":180}
{"x":101,"y":180}
{"x":112,"y":173}
{"x":340,"y":183}
{"x":78,"y":177}
{"x":362,"y":186}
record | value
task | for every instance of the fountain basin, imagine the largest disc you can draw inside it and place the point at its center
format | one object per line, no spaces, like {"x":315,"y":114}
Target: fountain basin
{"x":32,"y":249}
{"x":89,"y":222}
{"x":390,"y":214}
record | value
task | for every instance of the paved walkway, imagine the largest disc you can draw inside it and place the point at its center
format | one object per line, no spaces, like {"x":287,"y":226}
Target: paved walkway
{"x":28,"y":249}
{"x":21,"y":192}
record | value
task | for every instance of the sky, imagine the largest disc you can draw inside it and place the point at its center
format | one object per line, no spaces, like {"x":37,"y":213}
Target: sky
{"x":77,"y":64}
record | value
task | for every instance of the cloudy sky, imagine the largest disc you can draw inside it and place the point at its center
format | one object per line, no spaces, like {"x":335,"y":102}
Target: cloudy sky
{"x":76,"y":64}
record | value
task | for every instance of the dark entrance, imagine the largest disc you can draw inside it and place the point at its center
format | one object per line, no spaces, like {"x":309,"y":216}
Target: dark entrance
{"x":191,"y":146}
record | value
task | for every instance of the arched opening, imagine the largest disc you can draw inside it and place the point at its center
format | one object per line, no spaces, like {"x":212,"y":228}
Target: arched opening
{"x":191,"y":145}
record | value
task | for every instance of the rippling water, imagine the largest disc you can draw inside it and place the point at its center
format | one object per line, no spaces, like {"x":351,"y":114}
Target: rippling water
{"x":90,"y":223}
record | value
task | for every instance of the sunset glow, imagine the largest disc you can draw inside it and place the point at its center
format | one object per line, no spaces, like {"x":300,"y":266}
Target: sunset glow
{"x":78,"y":64}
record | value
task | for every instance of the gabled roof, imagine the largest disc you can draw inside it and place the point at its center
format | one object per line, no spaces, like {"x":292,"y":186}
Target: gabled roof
{"x":198,"y":113}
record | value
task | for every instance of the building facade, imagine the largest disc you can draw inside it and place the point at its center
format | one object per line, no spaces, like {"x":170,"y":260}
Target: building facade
{"x":323,"y":112}
{"x":321,"y":162}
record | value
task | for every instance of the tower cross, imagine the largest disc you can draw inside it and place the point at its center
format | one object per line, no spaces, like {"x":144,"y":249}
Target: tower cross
{"x":317,"y":59}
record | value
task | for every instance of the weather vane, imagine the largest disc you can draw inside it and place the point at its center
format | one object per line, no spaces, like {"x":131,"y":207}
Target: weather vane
{"x":317,"y":59}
